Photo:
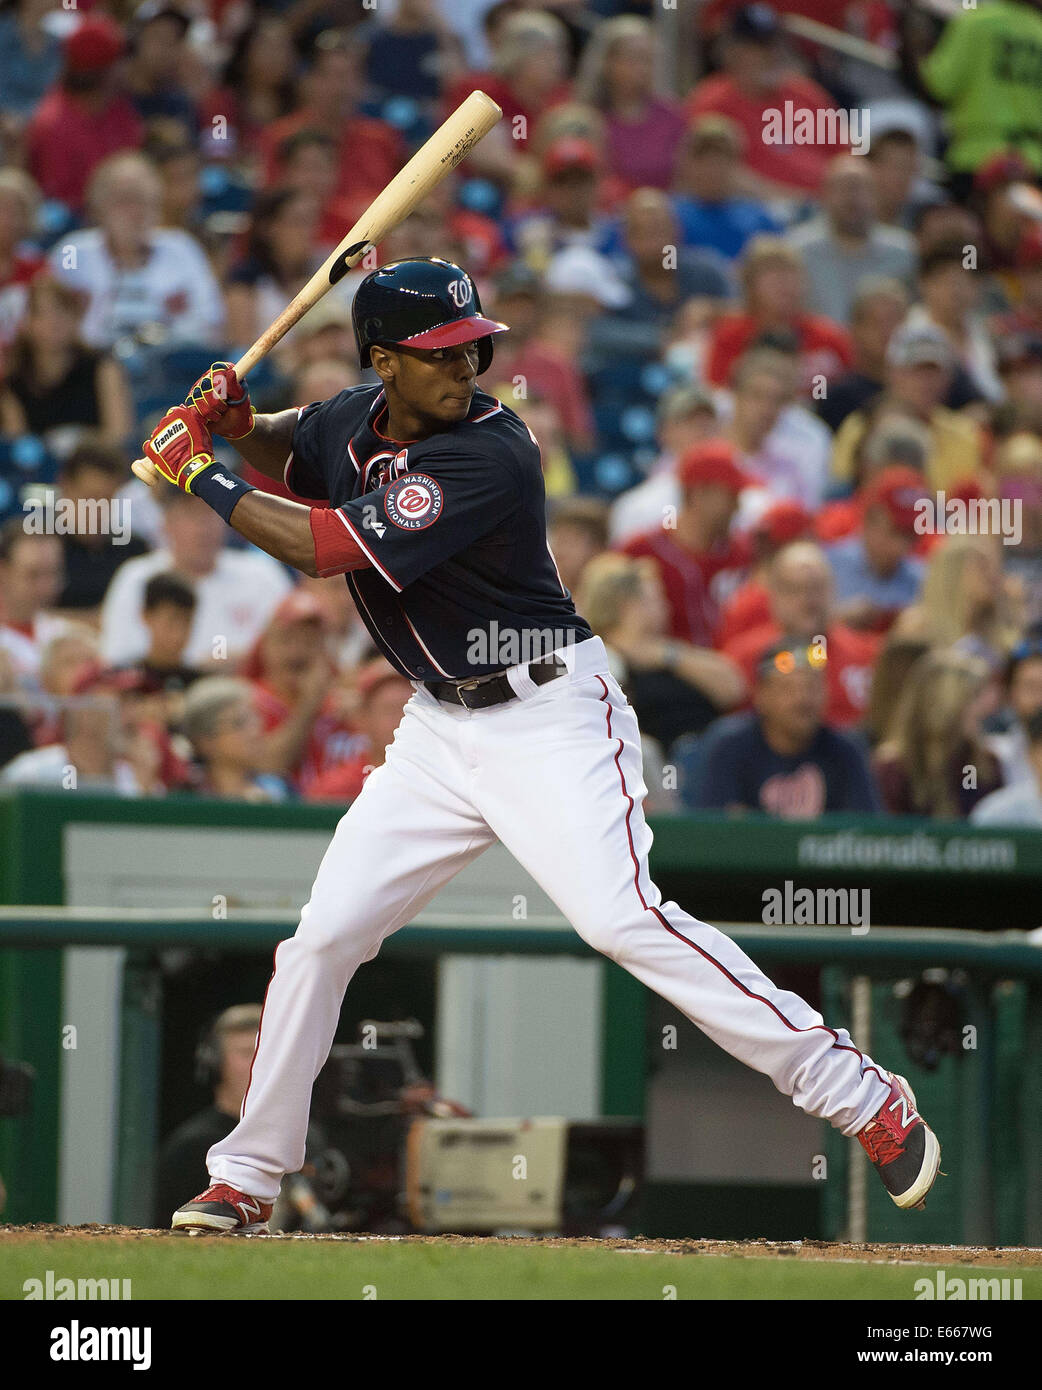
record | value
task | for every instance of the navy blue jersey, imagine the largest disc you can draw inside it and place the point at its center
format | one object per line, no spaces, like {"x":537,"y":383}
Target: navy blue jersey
{"x":462,"y":581}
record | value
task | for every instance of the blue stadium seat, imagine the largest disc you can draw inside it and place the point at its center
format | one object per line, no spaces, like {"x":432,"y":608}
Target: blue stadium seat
{"x":688,"y":755}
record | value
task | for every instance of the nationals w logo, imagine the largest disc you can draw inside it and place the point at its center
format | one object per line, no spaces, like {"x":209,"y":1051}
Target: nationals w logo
{"x":460,"y":292}
{"x":414,"y":502}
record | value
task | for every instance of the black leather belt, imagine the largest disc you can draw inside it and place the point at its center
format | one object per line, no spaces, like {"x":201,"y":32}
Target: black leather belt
{"x":483,"y":691}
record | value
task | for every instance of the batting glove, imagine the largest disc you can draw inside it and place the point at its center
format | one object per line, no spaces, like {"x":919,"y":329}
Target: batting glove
{"x":180,"y":447}
{"x":222,"y":402}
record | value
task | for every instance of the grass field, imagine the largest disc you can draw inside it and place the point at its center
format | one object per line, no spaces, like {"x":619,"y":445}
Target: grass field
{"x":165,"y":1266}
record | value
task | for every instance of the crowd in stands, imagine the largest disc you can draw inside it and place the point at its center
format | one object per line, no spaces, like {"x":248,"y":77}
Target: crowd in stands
{"x":788,"y":392}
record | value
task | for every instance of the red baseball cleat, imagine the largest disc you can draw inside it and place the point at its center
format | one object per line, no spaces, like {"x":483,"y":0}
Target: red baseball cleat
{"x":223,"y":1208}
{"x":902,"y":1146}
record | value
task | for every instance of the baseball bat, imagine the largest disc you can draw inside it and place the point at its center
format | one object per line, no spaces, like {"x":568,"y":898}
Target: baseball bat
{"x":450,"y":143}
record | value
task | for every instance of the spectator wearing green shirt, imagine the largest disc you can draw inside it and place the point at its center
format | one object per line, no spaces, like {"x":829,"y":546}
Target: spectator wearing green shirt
{"x":986,"y":71}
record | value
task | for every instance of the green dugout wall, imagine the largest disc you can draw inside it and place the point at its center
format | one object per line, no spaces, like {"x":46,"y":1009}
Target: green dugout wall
{"x":60,"y":848}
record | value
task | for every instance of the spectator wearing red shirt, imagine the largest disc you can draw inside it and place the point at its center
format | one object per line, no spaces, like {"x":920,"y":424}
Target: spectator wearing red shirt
{"x":697,"y":559}
{"x":774,"y":289}
{"x":83,"y":118}
{"x":382,"y":693}
{"x":750,"y":604}
{"x":754,"y":81}
{"x":800,"y":585}
{"x":369,"y":151}
{"x":292,"y":678}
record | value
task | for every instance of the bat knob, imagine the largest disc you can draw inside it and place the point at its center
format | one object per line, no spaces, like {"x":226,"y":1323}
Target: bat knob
{"x":146,"y":471}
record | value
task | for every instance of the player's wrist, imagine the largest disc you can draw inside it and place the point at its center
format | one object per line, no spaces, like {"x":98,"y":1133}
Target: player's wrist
{"x":220,"y":489}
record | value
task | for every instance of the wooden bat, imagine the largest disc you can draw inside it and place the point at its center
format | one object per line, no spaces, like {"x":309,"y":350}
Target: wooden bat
{"x":450,"y":143}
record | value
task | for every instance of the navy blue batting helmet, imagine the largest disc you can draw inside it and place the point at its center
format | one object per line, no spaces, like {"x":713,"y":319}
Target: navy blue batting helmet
{"x":424,"y":302}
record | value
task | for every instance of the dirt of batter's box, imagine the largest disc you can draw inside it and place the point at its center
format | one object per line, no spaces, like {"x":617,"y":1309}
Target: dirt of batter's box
{"x":761,"y":1249}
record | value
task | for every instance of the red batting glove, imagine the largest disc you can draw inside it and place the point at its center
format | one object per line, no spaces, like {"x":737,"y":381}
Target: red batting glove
{"x":222,"y":402}
{"x":180,"y":447}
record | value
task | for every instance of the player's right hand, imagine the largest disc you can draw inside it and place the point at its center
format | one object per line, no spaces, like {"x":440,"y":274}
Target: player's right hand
{"x":180,"y":447}
{"x":222,"y":402}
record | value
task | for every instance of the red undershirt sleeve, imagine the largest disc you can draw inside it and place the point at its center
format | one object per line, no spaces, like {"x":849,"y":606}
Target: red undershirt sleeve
{"x":336,"y":550}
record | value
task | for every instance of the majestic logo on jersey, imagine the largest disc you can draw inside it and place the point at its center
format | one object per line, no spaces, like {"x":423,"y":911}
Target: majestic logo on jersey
{"x":414,"y":502}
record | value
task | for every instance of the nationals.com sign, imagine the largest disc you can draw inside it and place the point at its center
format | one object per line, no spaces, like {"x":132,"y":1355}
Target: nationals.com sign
{"x":413,"y":503}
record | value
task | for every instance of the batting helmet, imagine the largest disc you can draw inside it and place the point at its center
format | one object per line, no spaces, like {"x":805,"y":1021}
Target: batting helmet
{"x":424,"y":302}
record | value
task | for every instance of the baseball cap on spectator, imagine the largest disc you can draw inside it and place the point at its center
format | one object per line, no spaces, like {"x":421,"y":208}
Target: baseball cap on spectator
{"x":897,"y":490}
{"x":1005,"y":167}
{"x":328,"y":313}
{"x":517,"y":278}
{"x":715,"y":132}
{"x":94,"y":45}
{"x":755,"y":23}
{"x":160,"y":9}
{"x":783,"y":522}
{"x":680,"y":402}
{"x":580,"y":270}
{"x":570,"y":152}
{"x":919,"y":345}
{"x":714,"y":461}
{"x":299,"y":606}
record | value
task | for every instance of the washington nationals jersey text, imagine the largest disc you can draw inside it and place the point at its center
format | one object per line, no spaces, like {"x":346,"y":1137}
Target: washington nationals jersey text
{"x":462,"y":580}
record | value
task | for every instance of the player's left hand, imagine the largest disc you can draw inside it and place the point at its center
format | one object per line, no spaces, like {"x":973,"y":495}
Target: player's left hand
{"x":180,"y":447}
{"x":222,"y":402}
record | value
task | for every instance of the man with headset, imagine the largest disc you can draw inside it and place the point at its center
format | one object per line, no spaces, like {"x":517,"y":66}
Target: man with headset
{"x":223,"y":1060}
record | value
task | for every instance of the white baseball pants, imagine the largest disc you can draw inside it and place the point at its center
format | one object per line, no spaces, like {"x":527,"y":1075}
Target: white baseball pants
{"x":556,"y":776}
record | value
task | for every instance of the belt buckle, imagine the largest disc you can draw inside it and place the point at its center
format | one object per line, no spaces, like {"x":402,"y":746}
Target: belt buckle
{"x":465,"y":685}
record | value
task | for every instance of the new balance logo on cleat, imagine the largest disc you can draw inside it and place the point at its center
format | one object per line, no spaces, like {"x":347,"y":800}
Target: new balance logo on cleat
{"x":902,"y":1146}
{"x":222,"y":1208}
{"x":907,"y":1115}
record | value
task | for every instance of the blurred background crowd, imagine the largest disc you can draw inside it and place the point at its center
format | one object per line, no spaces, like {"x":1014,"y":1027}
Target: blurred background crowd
{"x":753,"y":368}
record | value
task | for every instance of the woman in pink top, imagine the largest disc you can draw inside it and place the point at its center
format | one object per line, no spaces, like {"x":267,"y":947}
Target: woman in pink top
{"x":644,"y":129}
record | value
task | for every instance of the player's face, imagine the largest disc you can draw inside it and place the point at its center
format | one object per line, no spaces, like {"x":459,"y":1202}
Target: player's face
{"x":434,"y":384}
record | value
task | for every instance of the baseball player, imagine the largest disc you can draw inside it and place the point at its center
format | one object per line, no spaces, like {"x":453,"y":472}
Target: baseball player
{"x":428,"y":496}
